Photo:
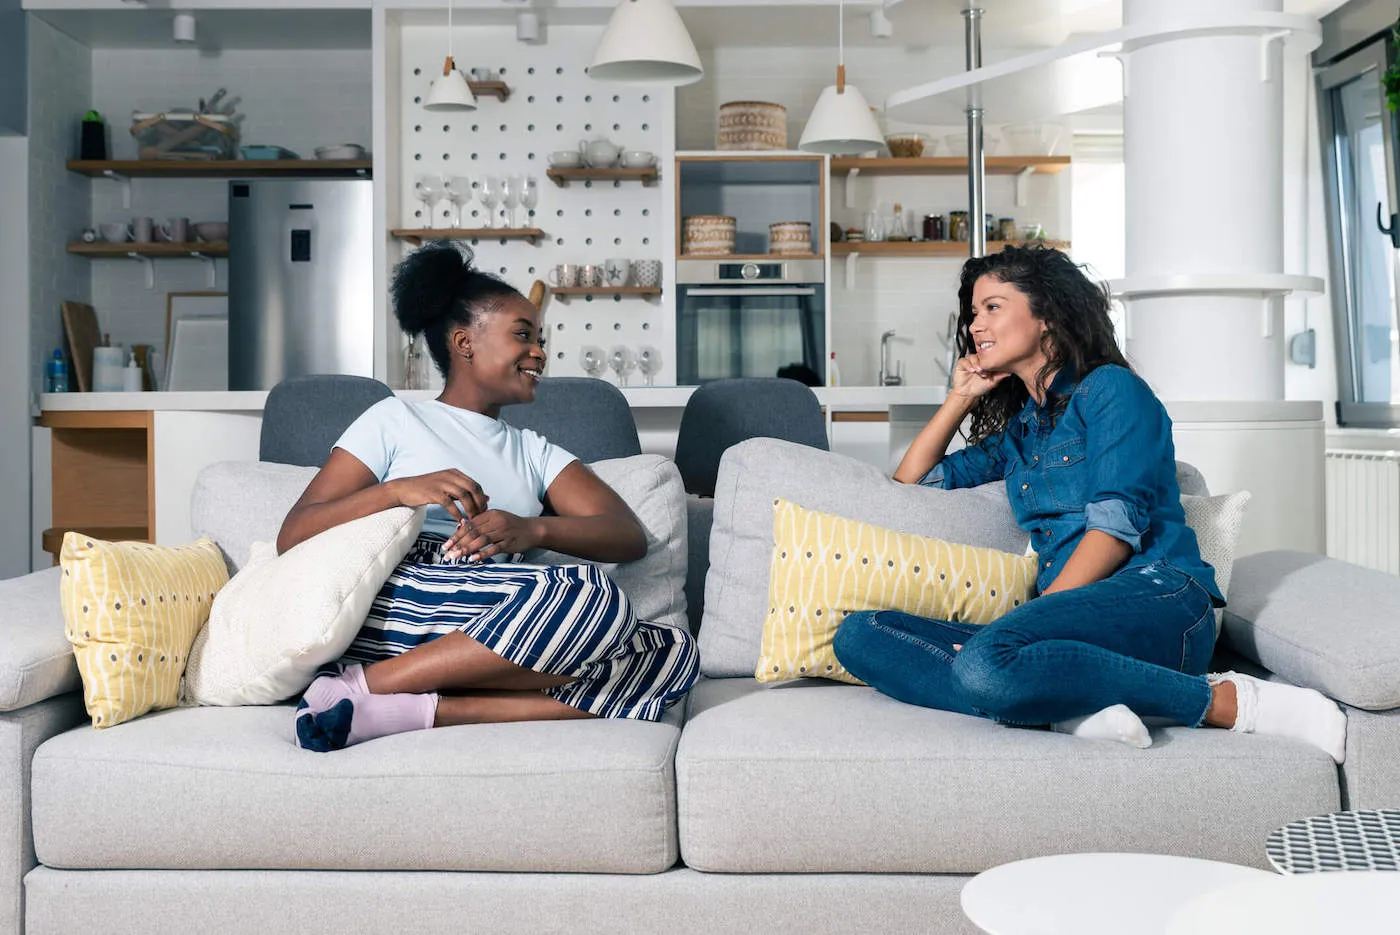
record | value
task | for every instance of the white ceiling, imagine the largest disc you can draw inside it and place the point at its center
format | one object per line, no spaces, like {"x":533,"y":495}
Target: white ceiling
{"x":1007,"y":24}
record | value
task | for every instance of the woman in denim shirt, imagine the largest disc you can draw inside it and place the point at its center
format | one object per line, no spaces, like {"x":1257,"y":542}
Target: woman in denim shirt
{"x":1124,"y":624}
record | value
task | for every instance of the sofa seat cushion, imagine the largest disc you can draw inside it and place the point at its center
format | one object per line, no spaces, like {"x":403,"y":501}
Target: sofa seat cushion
{"x":225,"y":788}
{"x":819,"y":777}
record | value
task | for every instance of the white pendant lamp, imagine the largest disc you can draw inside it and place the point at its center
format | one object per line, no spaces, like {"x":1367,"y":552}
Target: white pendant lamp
{"x":646,"y":43}
{"x":841,"y":123}
{"x":451,"y":91}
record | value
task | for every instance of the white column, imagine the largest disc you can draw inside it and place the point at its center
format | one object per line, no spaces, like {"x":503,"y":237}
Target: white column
{"x":1202,"y":157}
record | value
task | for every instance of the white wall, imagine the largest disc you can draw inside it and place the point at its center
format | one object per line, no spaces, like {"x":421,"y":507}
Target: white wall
{"x":912,"y":296}
{"x":300,"y":100}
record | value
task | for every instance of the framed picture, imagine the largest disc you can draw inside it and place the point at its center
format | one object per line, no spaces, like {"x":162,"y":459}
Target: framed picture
{"x":196,"y":341}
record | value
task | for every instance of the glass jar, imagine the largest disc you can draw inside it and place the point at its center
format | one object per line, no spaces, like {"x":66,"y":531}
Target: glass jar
{"x":874,"y":226}
{"x":897,"y":230}
{"x":957,"y":226}
{"x":1006,"y":228}
{"x":933,"y":227}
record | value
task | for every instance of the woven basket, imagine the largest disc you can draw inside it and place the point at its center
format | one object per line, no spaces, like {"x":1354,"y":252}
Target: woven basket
{"x":752,"y":125}
{"x":790,"y":237}
{"x":708,"y":235}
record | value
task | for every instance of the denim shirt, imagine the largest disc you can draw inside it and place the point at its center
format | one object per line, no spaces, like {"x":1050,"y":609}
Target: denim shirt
{"x":1107,"y":463}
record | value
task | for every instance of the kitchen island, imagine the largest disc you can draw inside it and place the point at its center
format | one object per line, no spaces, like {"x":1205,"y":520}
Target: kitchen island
{"x":123,"y":465}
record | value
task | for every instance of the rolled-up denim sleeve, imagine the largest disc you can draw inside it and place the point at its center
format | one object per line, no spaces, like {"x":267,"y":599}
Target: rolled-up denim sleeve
{"x":1127,"y":436}
{"x":969,"y":467}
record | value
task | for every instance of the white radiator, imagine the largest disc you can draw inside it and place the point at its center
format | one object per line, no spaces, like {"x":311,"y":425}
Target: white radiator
{"x":1363,"y":508}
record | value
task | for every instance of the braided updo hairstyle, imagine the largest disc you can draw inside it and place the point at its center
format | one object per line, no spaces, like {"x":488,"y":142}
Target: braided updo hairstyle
{"x":436,"y":288}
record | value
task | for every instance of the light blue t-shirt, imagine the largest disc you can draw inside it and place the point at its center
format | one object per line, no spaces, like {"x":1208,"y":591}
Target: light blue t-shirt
{"x":395,"y":438}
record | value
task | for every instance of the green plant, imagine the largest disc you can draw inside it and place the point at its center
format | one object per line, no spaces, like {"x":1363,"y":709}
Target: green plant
{"x":1390,"y":81}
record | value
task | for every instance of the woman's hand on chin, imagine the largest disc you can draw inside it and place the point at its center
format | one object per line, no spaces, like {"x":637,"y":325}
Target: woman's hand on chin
{"x":971,"y":380}
{"x":492,"y":533}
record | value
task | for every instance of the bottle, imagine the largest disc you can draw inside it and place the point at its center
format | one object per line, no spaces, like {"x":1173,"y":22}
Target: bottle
{"x":833,"y":372}
{"x":131,"y":376}
{"x":56,"y":373}
{"x":93,"y":142}
{"x":897,"y":231}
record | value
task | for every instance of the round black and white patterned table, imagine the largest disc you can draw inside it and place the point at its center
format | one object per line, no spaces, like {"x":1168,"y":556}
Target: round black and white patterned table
{"x":1360,"y":840}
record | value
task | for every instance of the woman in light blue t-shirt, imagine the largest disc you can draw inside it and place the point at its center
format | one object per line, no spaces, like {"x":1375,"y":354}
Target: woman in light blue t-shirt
{"x":461,"y":634}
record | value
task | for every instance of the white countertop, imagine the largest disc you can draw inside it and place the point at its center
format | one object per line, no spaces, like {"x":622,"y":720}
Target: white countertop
{"x":847,"y":398}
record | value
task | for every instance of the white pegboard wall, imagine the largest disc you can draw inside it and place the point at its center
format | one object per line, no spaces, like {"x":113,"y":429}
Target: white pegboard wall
{"x":553,"y":105}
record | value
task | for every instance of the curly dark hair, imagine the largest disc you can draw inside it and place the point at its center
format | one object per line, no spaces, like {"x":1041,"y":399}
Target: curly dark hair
{"x":1078,"y":332}
{"x":437,"y":287}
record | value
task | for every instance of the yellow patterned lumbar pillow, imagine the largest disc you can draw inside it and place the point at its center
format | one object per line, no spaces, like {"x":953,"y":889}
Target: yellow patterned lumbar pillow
{"x":132,"y":610}
{"x":825,"y":567}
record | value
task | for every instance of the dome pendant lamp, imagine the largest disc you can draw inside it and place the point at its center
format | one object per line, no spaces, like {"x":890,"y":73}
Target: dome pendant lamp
{"x":451,"y":91}
{"x":841,"y":123}
{"x":646,"y":43}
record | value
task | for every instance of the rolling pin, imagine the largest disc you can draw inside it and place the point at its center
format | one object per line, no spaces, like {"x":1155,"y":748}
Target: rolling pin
{"x":537,"y":292}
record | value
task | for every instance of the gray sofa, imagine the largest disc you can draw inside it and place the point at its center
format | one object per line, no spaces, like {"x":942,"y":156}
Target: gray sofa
{"x":803,"y":807}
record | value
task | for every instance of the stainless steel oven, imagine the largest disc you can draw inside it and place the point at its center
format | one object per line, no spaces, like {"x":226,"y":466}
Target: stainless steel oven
{"x":749,"y":318}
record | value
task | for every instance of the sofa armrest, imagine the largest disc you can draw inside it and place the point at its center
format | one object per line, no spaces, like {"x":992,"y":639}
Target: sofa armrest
{"x":1371,"y":773}
{"x":21,"y":732}
{"x":36,"y":660}
{"x":1320,"y":623}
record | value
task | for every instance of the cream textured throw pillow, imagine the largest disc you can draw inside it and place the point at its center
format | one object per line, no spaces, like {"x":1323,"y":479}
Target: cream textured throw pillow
{"x":283,"y":616}
{"x":1216,"y":522}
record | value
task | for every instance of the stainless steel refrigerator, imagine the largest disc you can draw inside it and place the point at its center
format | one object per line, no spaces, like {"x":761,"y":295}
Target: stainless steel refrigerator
{"x":301,"y":284}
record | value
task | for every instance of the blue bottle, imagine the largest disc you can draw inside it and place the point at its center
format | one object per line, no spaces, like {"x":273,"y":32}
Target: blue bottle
{"x":56,"y":373}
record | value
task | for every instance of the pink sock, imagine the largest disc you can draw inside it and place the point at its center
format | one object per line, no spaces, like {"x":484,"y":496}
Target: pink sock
{"x":358,"y":718}
{"x":324,"y":693}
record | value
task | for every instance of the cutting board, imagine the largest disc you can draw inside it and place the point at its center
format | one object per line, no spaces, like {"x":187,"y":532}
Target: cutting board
{"x":80,"y":325}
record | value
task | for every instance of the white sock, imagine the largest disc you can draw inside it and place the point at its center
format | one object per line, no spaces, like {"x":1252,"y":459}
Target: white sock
{"x":1116,"y":722}
{"x":1281,"y":710}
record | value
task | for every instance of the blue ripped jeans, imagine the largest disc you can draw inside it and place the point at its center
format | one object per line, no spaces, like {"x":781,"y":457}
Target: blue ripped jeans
{"x":1142,"y":637}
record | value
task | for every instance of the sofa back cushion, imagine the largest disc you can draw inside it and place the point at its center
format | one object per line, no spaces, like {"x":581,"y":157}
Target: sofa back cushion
{"x":756,"y":472}
{"x":237,"y":503}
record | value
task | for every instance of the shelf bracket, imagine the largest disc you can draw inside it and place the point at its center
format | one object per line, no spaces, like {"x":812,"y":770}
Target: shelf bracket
{"x":125,"y":182}
{"x":1022,"y":185}
{"x":1266,"y":71}
{"x":150,"y":266}
{"x":850,"y":187}
{"x":1266,"y":323}
{"x":851,"y":269}
{"x":209,"y":267}
{"x":1122,"y":59}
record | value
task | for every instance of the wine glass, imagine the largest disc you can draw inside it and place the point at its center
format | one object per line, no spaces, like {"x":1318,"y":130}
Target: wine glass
{"x":489,"y":193}
{"x":459,"y":192}
{"x":429,"y":189}
{"x":510,"y":197}
{"x":529,"y":197}
{"x":592,"y":359}
{"x":622,"y":361}
{"x":649,"y":362}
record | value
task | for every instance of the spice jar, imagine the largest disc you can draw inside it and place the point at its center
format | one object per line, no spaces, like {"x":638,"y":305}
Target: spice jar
{"x":957,"y":226}
{"x":1007,"y":228}
{"x":933,"y":227}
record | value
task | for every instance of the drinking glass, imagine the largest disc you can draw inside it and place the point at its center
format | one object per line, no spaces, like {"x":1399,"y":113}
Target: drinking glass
{"x":592,"y":359}
{"x":510,"y":197}
{"x":429,"y":189}
{"x":649,"y":363}
{"x":489,"y":193}
{"x":529,"y":198}
{"x":622,"y":361}
{"x":459,"y":192}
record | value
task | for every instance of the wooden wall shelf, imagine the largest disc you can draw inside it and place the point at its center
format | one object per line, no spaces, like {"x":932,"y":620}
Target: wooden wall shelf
{"x":948,"y":165}
{"x":217,"y":168}
{"x":563,"y":177}
{"x":416,"y":236}
{"x":496,"y":89}
{"x":956,"y":249}
{"x":566,"y":291}
{"x":153,"y":249}
{"x":751,"y":257}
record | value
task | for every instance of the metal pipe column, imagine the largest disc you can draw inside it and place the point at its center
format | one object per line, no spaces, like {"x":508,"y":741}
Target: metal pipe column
{"x":976,"y":166}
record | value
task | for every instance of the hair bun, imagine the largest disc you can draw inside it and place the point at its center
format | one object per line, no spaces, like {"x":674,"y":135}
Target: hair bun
{"x":428,"y":282}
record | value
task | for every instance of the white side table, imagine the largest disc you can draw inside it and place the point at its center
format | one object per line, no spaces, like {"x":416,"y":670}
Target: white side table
{"x":1356,"y":903}
{"x":1093,"y":894}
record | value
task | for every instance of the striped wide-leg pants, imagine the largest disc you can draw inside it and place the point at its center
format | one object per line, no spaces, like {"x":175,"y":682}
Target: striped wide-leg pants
{"x":570,"y":620}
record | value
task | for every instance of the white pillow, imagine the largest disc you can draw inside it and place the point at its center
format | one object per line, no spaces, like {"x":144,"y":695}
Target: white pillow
{"x":1216,"y":522}
{"x":655,"y":584}
{"x":282,"y":617}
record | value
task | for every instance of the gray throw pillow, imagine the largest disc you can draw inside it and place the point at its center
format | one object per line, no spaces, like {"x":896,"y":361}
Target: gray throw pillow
{"x":754,"y":473}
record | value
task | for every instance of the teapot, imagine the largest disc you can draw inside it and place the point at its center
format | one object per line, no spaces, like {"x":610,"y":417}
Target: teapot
{"x":600,"y":154}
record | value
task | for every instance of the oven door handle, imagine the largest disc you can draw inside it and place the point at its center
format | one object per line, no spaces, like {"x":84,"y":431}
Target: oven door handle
{"x":755,"y":290}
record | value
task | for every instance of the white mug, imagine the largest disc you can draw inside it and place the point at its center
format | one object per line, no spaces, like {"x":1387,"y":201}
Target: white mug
{"x":565,"y":275}
{"x":590,"y":275}
{"x":142,"y":229}
{"x":616,"y":272}
{"x":646,"y":272}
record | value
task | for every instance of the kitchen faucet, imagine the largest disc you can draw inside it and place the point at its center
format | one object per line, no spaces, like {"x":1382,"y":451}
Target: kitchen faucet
{"x":888,"y":377}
